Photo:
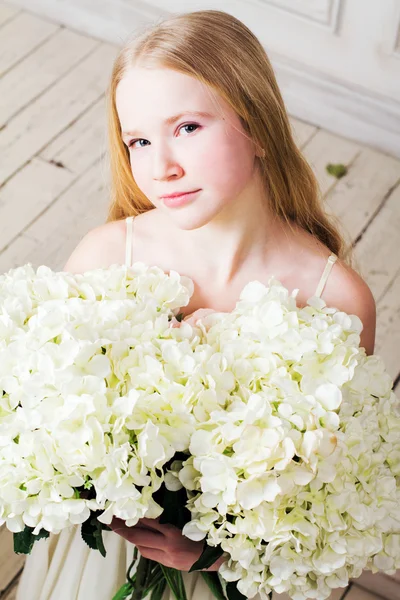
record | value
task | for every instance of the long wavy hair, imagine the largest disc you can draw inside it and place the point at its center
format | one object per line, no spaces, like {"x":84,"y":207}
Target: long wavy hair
{"x":220,"y":51}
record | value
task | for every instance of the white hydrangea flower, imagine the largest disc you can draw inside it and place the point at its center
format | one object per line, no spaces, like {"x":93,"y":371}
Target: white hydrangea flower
{"x":293,"y":472}
{"x":94,"y":394}
{"x":292,"y":433}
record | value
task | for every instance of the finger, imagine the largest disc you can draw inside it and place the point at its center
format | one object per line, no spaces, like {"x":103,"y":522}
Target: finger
{"x":142,"y":537}
{"x":120,"y":523}
{"x":156,"y":555}
{"x":154,"y":524}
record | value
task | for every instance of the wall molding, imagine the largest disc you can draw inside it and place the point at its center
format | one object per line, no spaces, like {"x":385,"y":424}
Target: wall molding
{"x":108,"y":20}
{"x":350,"y":111}
{"x":313,"y":96}
{"x":324,"y":13}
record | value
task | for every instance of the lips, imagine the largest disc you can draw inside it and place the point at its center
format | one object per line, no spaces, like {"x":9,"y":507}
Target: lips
{"x":177,"y":194}
{"x":180,"y":200}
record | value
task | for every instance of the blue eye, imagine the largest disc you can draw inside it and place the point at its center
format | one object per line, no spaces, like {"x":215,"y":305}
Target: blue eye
{"x":132,"y":142}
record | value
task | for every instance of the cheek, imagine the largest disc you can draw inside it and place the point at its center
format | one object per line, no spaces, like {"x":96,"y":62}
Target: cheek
{"x":140,"y":169}
{"x":228,"y":164}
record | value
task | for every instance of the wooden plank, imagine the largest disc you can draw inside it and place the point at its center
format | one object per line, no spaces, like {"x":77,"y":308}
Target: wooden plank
{"x":336,"y":595}
{"x":302,"y":131}
{"x":32,"y":190}
{"x":40,"y":122}
{"x":40,"y":69}
{"x":20,"y":36}
{"x":377,"y":250}
{"x":357,"y":197}
{"x":11,"y":594}
{"x":387,"y":342}
{"x":10,"y":563}
{"x":104,"y":19}
{"x":380,"y":584}
{"x":325,"y":148}
{"x":359,"y":593}
{"x":7,"y":12}
{"x":50,"y":239}
{"x":82,"y":143}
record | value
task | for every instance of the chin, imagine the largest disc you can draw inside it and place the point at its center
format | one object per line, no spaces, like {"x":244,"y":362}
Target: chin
{"x":190,"y":222}
{"x":194,"y":217}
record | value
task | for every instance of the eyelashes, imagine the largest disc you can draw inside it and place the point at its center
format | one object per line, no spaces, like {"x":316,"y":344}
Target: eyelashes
{"x":132,"y":142}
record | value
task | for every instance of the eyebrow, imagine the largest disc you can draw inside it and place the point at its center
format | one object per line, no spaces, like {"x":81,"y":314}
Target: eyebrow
{"x":173,"y":119}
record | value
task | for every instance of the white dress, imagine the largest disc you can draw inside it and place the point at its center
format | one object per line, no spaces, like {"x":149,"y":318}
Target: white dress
{"x":63,"y":567}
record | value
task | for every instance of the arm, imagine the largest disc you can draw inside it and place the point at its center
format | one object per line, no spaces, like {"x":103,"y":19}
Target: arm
{"x":94,"y":251}
{"x":348,"y":292}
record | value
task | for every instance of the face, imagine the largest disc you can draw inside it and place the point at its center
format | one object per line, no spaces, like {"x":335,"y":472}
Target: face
{"x":209,"y":152}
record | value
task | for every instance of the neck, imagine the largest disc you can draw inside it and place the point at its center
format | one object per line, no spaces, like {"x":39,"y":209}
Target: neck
{"x":238,"y":238}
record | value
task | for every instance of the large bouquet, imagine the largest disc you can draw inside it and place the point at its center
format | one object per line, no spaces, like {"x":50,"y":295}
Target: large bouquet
{"x":266,"y":432}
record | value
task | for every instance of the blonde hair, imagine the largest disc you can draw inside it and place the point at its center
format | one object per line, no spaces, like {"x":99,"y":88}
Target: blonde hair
{"x":220,"y":51}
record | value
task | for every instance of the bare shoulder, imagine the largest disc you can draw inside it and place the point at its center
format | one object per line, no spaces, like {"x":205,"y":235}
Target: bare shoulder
{"x":100,"y":247}
{"x":344,"y":289}
{"x":347,"y":291}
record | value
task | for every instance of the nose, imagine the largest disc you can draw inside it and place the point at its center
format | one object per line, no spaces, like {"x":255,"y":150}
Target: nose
{"x":165,"y":163}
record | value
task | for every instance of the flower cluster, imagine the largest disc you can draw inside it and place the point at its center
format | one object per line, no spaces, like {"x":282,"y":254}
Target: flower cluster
{"x":93,"y":393}
{"x":295,"y":459}
{"x":290,"y":434}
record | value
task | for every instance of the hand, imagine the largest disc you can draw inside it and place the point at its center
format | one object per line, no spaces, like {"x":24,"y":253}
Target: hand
{"x":192,"y":319}
{"x":200,"y":313}
{"x":163,"y":543}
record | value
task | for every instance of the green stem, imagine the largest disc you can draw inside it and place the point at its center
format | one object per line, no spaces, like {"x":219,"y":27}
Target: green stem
{"x":128,"y":574}
{"x":156,"y":581}
{"x":140,"y":583}
{"x":175,"y":582}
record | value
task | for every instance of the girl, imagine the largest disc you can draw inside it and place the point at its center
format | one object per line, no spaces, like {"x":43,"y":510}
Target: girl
{"x":194,"y":107}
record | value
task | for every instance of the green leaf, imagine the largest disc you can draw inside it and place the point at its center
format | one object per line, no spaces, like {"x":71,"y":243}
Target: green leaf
{"x":175,"y":582}
{"x":24,"y":540}
{"x":158,"y":591}
{"x":337,"y":170}
{"x":213,"y":581}
{"x":208,"y":557}
{"x":92,"y":533}
{"x":174,"y":502}
{"x":123,"y":592}
{"x":232,"y":593}
{"x":156,"y":578}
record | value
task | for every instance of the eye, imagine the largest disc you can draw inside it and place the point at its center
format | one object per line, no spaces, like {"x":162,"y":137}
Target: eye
{"x":132,"y":142}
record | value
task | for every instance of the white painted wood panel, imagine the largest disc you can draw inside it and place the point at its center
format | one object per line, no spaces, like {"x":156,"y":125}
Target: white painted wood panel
{"x":348,"y":86}
{"x":387,"y":342}
{"x":378,"y":252}
{"x":7,"y":12}
{"x":351,"y":49}
{"x":325,"y":148}
{"x":21,"y":35}
{"x":33,"y":128}
{"x":357,"y":198}
{"x":32,"y":190}
{"x":51,"y":238}
{"x":82,"y":143}
{"x":10,"y":563}
{"x":323,"y":12}
{"x":41,"y":69}
{"x":302,"y":132}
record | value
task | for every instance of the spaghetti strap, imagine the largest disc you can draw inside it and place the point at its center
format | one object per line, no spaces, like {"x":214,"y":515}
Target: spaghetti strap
{"x":331,"y":261}
{"x":128,"y":244}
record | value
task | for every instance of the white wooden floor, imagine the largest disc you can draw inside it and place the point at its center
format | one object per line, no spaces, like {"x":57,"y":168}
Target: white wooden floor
{"x":53,"y":189}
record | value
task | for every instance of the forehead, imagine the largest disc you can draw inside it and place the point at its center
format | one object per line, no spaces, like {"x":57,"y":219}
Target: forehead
{"x":143,"y":95}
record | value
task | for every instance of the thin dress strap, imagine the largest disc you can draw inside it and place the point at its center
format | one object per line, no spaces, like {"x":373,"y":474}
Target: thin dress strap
{"x":128,"y":245}
{"x":331,"y":261}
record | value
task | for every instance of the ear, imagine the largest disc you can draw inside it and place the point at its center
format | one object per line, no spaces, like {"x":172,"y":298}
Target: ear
{"x":259,"y":151}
